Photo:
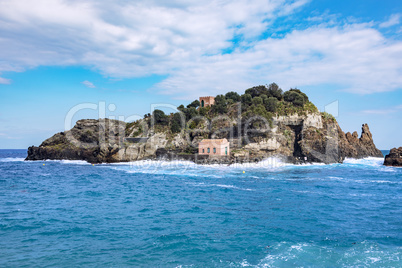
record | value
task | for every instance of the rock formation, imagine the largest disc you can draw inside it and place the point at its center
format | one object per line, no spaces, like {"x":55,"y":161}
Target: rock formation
{"x":394,"y":158}
{"x":297,"y":138}
{"x":261,"y":123}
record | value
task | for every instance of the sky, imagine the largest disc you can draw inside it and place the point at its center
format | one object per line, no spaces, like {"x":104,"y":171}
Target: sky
{"x":61,"y":61}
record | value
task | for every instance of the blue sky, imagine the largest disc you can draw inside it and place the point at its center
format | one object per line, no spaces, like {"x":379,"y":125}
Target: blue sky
{"x":60,"y":54}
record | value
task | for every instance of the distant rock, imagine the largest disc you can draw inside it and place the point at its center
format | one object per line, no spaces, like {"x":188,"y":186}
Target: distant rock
{"x":394,"y":158}
{"x":355,"y":147}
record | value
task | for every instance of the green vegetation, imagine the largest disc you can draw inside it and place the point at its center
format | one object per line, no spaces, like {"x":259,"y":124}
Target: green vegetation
{"x":328,"y":117}
{"x":296,"y":97}
{"x":271,"y":104}
{"x":232,"y":96}
{"x":160,"y":118}
{"x":265,"y":101}
{"x":175,"y":125}
{"x":220,"y":106}
{"x":194,"y":104}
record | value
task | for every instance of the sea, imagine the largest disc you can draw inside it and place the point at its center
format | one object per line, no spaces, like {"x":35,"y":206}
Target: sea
{"x":178,"y":214}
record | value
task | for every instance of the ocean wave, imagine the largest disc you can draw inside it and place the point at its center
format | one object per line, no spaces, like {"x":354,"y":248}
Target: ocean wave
{"x":368,"y":161}
{"x":226,"y":186}
{"x":311,"y":254}
{"x":74,"y":162}
{"x":12,"y":159}
{"x":67,"y":162}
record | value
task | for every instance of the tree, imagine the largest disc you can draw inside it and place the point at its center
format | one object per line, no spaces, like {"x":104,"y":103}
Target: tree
{"x":296,"y":97}
{"x":232,"y":96}
{"x":274,"y":91}
{"x":176,"y":124}
{"x":220,"y":105}
{"x":194,"y":104}
{"x":264,"y":98}
{"x":246,"y":99}
{"x":271,"y":104}
{"x":181,"y":108}
{"x":305,"y":97}
{"x":159,"y":117}
{"x":190,"y":113}
{"x":257,"y":100}
{"x":257,"y":91}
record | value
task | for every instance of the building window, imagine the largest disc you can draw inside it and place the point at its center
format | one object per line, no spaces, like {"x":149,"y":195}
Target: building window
{"x":226,"y":150}
{"x":208,"y":150}
{"x":214,"y":150}
{"x":203,"y":150}
{"x":202,"y":103}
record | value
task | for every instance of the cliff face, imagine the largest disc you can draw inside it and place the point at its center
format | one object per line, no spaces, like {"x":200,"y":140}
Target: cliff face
{"x":298,"y":138}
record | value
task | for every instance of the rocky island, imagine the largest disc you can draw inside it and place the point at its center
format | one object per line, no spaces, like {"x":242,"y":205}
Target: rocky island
{"x":263,"y":122}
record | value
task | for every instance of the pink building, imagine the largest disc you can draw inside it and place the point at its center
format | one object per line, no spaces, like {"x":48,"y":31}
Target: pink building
{"x":207,"y":101}
{"x":214,"y":147}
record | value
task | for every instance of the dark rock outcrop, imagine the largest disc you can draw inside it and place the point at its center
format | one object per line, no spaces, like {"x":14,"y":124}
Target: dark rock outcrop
{"x":95,"y":141}
{"x":394,"y":158}
{"x":355,"y":147}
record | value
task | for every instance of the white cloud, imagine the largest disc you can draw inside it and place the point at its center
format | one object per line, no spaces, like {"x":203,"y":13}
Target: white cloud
{"x":5,"y":81}
{"x":383,"y":111}
{"x":184,"y":40}
{"x":88,"y":84}
{"x":358,"y":58}
{"x":394,"y":19}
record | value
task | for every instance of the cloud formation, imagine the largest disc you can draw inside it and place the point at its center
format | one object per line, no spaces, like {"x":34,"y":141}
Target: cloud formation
{"x":186,"y":40}
{"x":88,"y":84}
{"x":394,"y":19}
{"x":383,"y":111}
{"x":5,"y":81}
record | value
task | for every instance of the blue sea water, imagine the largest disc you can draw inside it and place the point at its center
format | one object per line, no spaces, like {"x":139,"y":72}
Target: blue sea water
{"x":177,"y":214}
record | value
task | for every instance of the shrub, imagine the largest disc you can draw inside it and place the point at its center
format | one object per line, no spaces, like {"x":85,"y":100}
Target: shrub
{"x":257,"y":100}
{"x":310,"y":107}
{"x":203,"y":111}
{"x":264,"y":98}
{"x":271,"y":104}
{"x":328,"y":117}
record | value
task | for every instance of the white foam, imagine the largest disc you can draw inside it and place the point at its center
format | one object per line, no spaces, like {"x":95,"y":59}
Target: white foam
{"x":270,"y":162}
{"x":369,"y":161}
{"x":74,"y":162}
{"x":12,"y":159}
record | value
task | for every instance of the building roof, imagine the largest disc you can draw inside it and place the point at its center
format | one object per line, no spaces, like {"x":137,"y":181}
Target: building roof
{"x":214,"y":141}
